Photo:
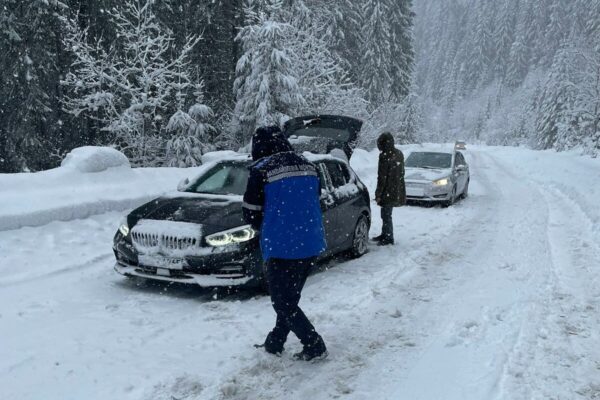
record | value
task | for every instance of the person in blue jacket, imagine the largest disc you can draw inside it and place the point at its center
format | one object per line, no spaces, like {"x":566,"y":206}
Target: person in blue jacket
{"x":282,"y":201}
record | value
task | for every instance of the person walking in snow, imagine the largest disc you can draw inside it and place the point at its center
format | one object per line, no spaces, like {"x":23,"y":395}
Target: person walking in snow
{"x":391,"y":190}
{"x":282,"y":201}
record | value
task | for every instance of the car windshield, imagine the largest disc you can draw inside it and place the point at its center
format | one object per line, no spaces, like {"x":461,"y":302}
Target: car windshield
{"x":429,"y":160}
{"x":225,"y":179}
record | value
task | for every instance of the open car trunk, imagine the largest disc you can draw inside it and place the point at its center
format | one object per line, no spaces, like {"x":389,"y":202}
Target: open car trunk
{"x":322,"y":134}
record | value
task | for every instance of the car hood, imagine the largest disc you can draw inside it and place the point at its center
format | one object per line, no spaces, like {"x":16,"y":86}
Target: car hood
{"x":214,"y":213}
{"x":425,"y":174}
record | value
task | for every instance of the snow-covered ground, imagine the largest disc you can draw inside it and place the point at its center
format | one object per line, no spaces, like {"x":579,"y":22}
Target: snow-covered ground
{"x":497,"y":297}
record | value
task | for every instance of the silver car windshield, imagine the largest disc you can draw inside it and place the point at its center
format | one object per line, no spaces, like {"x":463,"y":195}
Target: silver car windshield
{"x":224,"y":179}
{"x":429,"y":160}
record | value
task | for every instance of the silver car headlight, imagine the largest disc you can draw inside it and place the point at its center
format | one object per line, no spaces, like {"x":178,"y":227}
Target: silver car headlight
{"x":441,"y":182}
{"x":231,"y":236}
{"x":124,"y":227}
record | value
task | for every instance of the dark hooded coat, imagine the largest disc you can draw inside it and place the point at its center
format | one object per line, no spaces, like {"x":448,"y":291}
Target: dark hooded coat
{"x":391,"y":190}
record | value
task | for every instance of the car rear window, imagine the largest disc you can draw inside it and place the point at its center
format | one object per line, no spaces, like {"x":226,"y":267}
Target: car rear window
{"x":338,"y":173}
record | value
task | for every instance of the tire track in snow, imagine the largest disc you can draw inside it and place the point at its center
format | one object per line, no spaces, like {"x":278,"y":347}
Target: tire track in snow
{"x":88,"y":264}
{"x":389,"y":292}
{"x":544,"y":362}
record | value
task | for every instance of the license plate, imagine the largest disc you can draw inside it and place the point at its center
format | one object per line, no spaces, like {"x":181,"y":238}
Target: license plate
{"x":169,"y":263}
{"x":163,"y":272}
{"x":415,"y":191}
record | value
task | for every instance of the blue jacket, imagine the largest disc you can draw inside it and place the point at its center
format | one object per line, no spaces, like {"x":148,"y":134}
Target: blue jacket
{"x":282,"y":199}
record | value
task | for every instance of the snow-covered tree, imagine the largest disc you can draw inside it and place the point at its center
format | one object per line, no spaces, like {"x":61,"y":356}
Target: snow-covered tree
{"x":520,"y":53}
{"x":504,"y":36}
{"x":588,"y":96}
{"x":190,"y":133}
{"x":29,"y":97}
{"x":266,"y":87}
{"x":130,"y":87}
{"x":556,"y":124}
{"x":376,"y":76}
{"x":402,"y":55}
{"x":343,"y":31}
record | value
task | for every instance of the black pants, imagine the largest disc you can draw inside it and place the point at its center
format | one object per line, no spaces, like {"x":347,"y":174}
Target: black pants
{"x":286,"y":279}
{"x":387,"y":230}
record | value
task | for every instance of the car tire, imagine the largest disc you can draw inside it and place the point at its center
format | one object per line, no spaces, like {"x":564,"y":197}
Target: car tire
{"x":465,"y":192}
{"x":452,"y":200}
{"x":360,"y":238}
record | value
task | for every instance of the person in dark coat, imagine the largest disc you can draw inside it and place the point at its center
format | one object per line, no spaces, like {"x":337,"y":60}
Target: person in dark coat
{"x":282,"y":201}
{"x":391,"y":190}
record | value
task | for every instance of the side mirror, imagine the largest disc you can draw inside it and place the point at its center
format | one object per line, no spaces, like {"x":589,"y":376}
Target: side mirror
{"x":183,"y":184}
{"x":461,"y":168}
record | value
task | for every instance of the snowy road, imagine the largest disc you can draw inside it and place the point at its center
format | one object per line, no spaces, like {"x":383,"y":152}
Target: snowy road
{"x":497,"y":297}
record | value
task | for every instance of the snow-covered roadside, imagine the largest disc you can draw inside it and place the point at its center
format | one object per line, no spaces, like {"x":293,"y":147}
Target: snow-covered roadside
{"x":68,"y":192}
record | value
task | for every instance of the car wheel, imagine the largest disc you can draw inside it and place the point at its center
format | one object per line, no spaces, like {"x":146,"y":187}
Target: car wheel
{"x":452,"y":198}
{"x":360,"y":240}
{"x":465,"y":192}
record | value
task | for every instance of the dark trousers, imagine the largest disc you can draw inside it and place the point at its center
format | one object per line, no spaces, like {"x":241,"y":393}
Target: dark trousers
{"x":387,"y":230}
{"x":286,"y":279}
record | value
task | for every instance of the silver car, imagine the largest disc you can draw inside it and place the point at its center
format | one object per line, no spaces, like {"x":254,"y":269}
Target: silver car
{"x":436,"y":177}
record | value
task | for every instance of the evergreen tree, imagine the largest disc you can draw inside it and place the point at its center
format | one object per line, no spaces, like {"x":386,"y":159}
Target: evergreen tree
{"x":556,"y":122}
{"x":189,"y":132}
{"x":588,"y":95}
{"x":401,"y":53}
{"x":266,"y":86}
{"x":30,"y":37}
{"x":504,"y":36}
{"x":376,"y":76}
{"x":520,"y":54}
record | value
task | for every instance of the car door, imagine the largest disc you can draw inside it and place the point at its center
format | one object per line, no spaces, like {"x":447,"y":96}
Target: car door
{"x":344,"y":193}
{"x":327,"y":206}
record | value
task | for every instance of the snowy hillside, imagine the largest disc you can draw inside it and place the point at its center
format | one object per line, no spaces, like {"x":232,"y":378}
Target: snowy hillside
{"x":496,"y":297}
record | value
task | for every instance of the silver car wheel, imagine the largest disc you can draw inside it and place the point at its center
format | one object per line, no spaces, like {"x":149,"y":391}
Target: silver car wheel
{"x":360,"y":243}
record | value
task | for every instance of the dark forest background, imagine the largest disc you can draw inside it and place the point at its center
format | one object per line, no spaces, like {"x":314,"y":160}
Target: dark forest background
{"x":68,"y":78}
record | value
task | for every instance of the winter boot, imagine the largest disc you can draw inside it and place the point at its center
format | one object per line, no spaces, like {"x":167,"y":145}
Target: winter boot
{"x":377,"y":238}
{"x":273,"y":344}
{"x":314,"y":352}
{"x":275,"y":351}
{"x":385,"y":242}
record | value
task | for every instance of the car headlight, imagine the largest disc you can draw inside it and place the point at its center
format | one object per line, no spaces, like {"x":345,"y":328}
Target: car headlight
{"x":124,"y":227}
{"x":441,"y":182}
{"x":231,"y":236}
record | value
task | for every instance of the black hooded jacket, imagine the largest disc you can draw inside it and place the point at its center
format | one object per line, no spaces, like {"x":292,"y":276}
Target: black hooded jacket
{"x":391,"y":190}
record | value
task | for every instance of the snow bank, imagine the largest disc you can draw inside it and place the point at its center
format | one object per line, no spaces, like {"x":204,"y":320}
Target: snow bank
{"x":66,"y":193}
{"x":90,"y":181}
{"x":94,"y":159}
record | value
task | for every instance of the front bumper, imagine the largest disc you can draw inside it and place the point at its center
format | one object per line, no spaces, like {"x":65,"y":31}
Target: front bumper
{"x":240,"y":265}
{"x":213,"y":280}
{"x":427,"y":192}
